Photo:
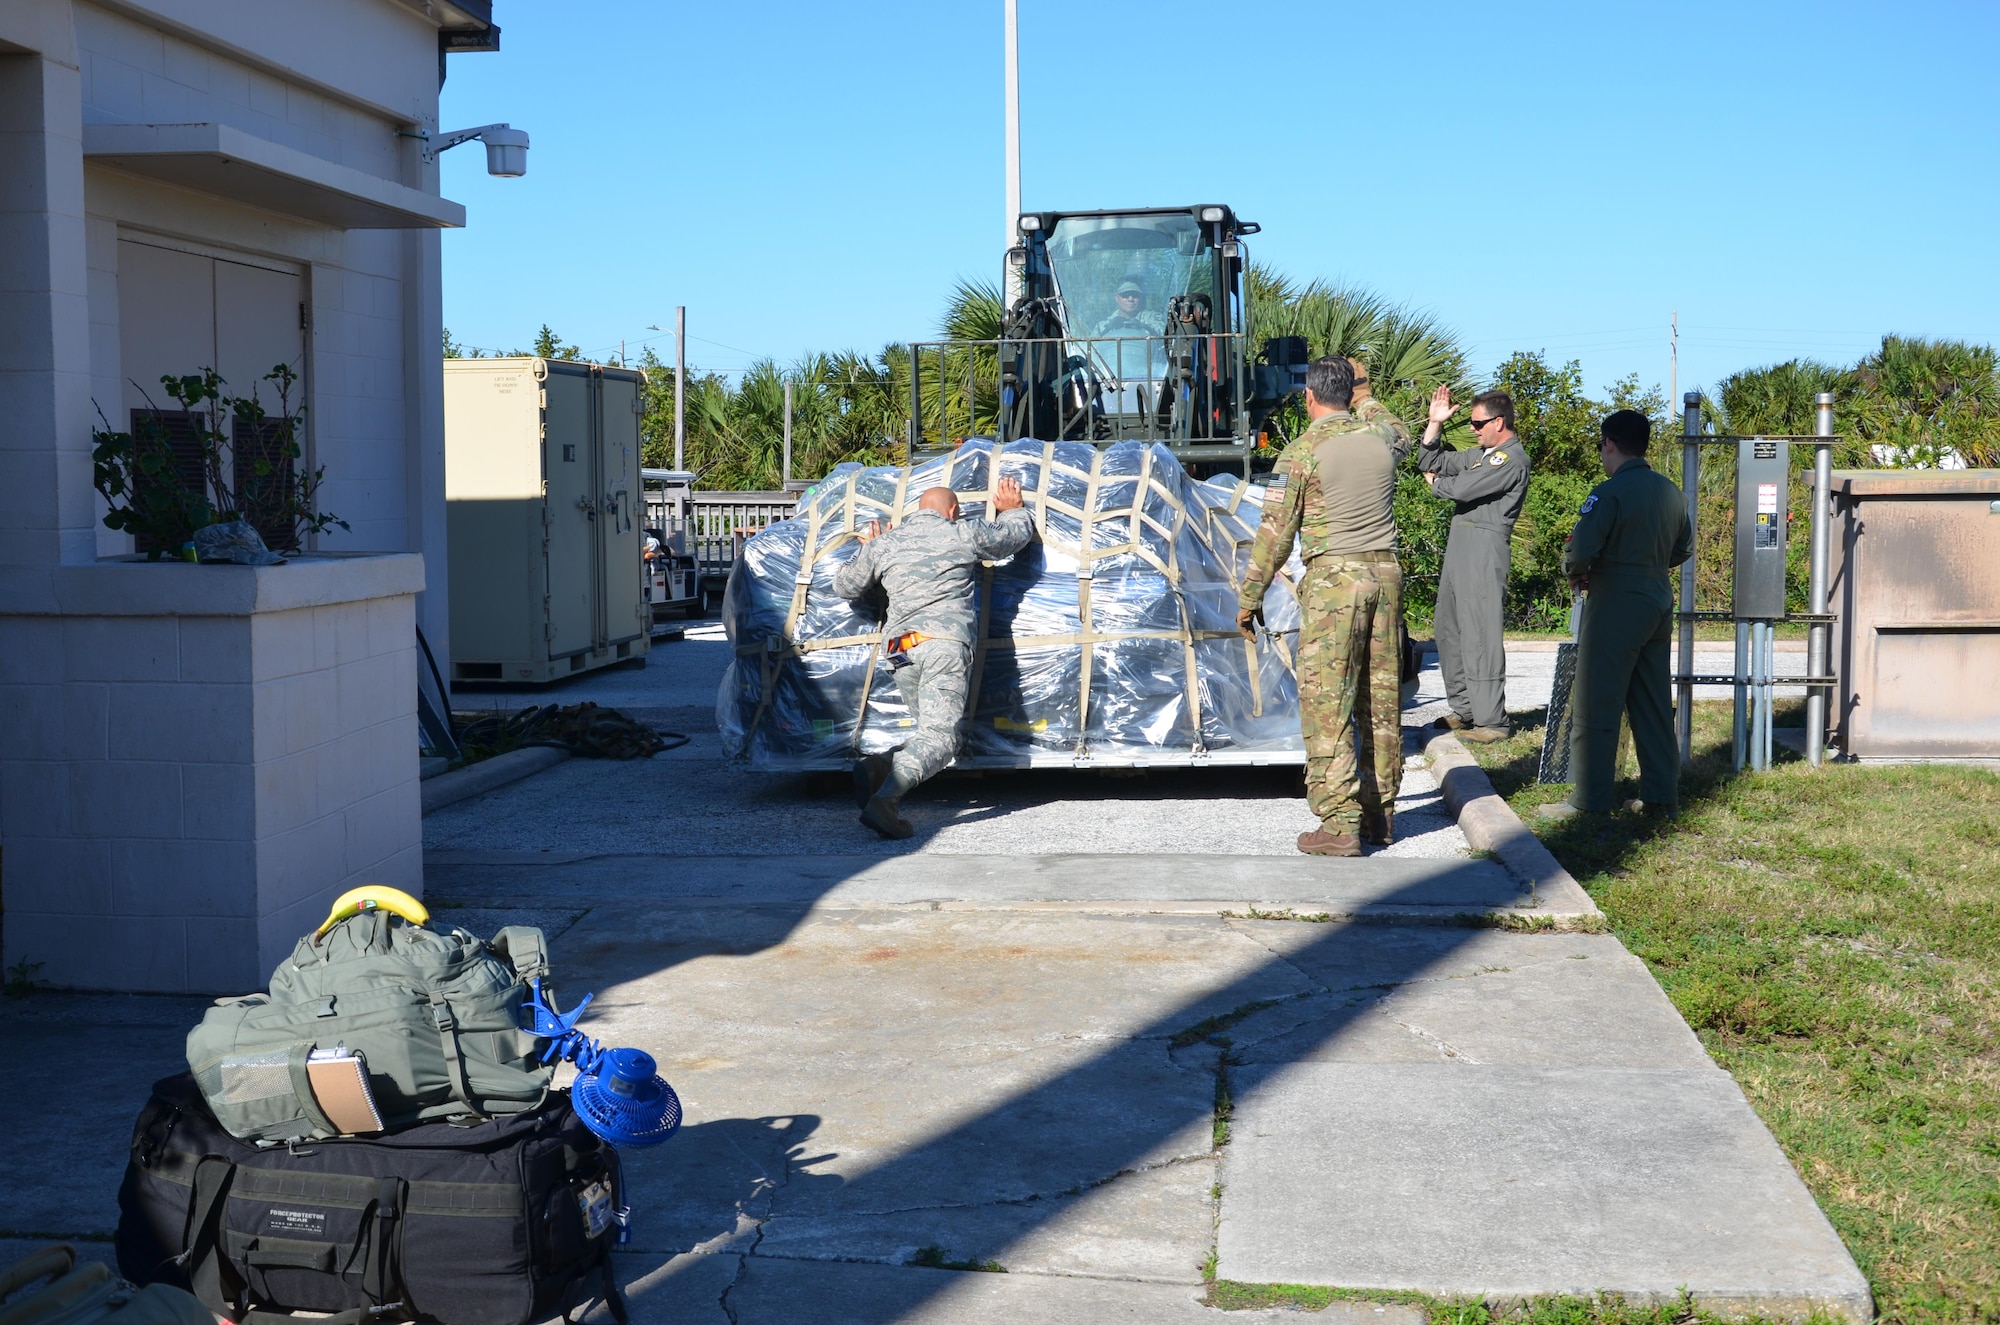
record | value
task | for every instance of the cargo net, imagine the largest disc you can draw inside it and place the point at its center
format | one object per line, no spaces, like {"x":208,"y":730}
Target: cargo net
{"x":1110,"y":638}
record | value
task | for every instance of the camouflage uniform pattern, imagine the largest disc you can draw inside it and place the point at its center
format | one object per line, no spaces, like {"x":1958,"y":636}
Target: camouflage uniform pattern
{"x":1350,"y":607}
{"x":929,"y":566}
{"x":1370,"y":410}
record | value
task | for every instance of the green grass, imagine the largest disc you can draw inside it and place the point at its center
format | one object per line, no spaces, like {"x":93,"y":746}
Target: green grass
{"x":1833,"y":936}
{"x":935,"y":1257}
{"x":1608,"y":1310}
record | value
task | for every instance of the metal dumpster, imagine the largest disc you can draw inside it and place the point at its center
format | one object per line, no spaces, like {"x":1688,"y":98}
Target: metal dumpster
{"x":1916,"y":586}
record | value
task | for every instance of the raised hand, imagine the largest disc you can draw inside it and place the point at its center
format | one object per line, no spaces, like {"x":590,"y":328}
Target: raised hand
{"x":1007,"y":496}
{"x":1441,"y":406}
{"x":869,"y":532}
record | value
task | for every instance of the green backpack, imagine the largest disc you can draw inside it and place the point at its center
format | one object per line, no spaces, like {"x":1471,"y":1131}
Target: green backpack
{"x":434,"y":1016}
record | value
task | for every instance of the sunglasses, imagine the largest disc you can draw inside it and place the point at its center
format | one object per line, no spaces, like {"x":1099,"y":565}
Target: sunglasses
{"x":1129,"y":294}
{"x":1477,"y":424}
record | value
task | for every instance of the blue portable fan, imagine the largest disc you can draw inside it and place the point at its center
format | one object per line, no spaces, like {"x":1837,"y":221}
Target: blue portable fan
{"x":618,"y":1093}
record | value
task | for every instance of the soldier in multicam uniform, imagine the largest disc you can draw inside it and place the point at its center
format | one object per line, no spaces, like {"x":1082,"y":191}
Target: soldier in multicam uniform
{"x":1339,"y":502}
{"x":927,"y":564}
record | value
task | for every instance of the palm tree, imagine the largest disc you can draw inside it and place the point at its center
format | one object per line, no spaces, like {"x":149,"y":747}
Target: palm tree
{"x":1926,"y":402}
{"x":1782,"y":399}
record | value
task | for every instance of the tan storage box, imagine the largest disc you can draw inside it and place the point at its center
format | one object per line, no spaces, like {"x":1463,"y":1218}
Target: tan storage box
{"x":1916,"y":583}
{"x":544,"y":510}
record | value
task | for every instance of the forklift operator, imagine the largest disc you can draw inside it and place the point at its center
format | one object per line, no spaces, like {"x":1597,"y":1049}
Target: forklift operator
{"x":1132,"y":317}
{"x":928,"y":565}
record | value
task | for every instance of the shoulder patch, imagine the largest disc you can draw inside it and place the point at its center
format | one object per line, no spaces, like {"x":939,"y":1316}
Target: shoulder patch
{"x":1496,"y":457}
{"x":1588,"y":502}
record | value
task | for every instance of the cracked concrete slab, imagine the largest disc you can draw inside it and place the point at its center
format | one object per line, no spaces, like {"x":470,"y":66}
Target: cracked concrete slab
{"x":880,"y":1065}
{"x":783,"y":1292}
{"x":1154,"y":1224}
{"x":1523,"y":999}
{"x":1374,"y":885}
{"x":1514,"y":1181}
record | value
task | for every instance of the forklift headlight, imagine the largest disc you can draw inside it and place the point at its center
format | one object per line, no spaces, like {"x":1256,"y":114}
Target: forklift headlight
{"x":1211,"y":213}
{"x":1030,"y":222}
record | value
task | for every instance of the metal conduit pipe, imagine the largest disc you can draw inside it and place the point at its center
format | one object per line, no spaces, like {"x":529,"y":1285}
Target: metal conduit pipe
{"x":1818,"y":633}
{"x":1691,"y":487}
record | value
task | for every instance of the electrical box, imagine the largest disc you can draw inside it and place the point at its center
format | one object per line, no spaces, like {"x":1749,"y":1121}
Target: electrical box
{"x":1763,"y":474}
{"x":544,"y":513}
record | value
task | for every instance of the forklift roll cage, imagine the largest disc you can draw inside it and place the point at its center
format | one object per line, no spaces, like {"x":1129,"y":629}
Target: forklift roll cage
{"x":1074,"y":362}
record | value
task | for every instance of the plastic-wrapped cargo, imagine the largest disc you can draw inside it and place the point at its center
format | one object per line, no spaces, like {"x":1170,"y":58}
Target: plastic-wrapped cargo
{"x":1109,"y":640}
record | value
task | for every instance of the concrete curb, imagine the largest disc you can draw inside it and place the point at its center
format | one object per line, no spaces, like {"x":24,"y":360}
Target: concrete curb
{"x":1490,"y":824}
{"x":475,"y":779}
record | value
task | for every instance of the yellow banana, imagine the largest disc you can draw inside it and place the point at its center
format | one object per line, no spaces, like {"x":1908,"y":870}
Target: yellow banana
{"x":373,"y":897}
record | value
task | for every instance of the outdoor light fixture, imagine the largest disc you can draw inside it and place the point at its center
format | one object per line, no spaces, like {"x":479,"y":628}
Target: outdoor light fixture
{"x":506,"y":148}
{"x":1211,"y":213}
{"x":1030,"y":222}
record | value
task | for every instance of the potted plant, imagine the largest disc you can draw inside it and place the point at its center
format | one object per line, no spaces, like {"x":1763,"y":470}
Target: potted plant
{"x":177,"y":483}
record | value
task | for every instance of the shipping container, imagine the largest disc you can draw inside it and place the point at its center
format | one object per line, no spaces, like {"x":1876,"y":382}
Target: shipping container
{"x":545,"y":512}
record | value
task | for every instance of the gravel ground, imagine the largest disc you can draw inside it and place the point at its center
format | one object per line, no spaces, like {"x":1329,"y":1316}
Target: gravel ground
{"x":694,"y":801}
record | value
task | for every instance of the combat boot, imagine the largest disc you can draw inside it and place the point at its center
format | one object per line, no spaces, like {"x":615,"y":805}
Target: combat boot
{"x":1451,"y":722}
{"x":1319,"y":842}
{"x":870,"y":772}
{"x":1485,"y":735}
{"x":1379,"y":828}
{"x":880,"y":813}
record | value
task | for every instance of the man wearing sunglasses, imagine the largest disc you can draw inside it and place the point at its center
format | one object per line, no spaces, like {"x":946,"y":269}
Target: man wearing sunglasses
{"x":1487,"y":484}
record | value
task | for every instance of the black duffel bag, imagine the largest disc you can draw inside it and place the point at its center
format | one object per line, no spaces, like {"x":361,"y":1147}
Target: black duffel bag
{"x":504,"y":1222}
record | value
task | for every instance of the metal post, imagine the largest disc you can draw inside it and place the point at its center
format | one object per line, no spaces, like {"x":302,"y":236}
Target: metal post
{"x":680,"y":386}
{"x":1818,"y":635}
{"x":916,"y":437}
{"x":1739,"y":744}
{"x":1691,"y":486}
{"x":788,"y":430}
{"x":1771,"y":685}
{"x":1012,"y":234}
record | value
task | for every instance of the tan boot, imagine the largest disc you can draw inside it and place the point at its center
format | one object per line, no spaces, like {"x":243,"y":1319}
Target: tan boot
{"x":1451,"y":722}
{"x":1319,"y":842}
{"x":1485,"y":735}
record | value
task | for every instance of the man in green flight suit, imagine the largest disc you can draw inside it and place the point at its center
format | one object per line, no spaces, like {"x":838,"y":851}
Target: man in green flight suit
{"x":1338,"y":501}
{"x":1487,"y":484}
{"x":1631,"y":533}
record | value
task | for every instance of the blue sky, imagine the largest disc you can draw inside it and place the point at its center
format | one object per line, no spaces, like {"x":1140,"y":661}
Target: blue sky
{"x":1793,"y":178}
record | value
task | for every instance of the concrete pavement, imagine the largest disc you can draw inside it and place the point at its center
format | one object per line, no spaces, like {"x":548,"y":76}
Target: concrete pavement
{"x":1095,"y":1033}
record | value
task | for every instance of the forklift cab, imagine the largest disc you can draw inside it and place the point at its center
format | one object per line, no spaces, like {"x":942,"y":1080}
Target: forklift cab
{"x":1132,"y":325}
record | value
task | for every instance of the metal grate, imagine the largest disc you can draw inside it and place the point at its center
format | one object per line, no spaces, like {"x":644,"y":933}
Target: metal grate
{"x":182,"y":431}
{"x":1555,"y":732}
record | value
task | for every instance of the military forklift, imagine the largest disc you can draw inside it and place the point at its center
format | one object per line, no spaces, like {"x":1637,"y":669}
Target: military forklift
{"x":1129,"y":326}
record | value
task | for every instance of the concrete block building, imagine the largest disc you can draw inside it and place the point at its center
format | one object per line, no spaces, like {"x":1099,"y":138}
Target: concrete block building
{"x":195,"y":759}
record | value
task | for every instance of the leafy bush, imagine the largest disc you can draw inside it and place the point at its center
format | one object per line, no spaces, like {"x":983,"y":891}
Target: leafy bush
{"x":149,"y":492}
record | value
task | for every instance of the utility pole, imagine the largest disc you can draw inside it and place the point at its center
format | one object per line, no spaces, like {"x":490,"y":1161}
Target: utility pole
{"x":1012,"y":234}
{"x":680,"y":386}
{"x":788,"y":431}
{"x":1674,"y":357}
